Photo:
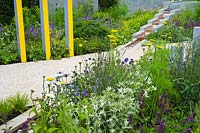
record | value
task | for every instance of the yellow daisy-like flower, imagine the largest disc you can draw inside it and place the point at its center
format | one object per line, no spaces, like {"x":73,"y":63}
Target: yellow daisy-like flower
{"x":165,"y":23}
{"x":163,"y":35}
{"x":63,"y":83}
{"x":181,"y":28}
{"x":80,"y":45}
{"x":50,"y":78}
{"x":113,"y":40}
{"x":149,"y":44}
{"x":111,"y":36}
{"x":114,"y":31}
{"x":152,"y":40}
{"x":159,"y":47}
{"x":114,"y":43}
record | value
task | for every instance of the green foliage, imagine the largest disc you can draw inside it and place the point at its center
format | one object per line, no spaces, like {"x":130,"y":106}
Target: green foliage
{"x":171,"y":34}
{"x":86,"y":29}
{"x":110,"y":95}
{"x":34,"y":50}
{"x":8,"y":45}
{"x":185,"y":71}
{"x":179,"y":28}
{"x":118,"y":11}
{"x":95,"y":43}
{"x":7,"y":9}
{"x":133,"y":23}
{"x":106,"y":4}
{"x":5,"y":107}
{"x":17,"y":103}
{"x":58,"y":18}
{"x":31,"y":16}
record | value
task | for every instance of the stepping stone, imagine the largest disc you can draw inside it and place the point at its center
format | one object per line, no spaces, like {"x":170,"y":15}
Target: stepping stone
{"x":155,"y":28}
{"x":161,"y":10}
{"x":161,"y":16}
{"x":155,"y":22}
{"x":147,"y":33}
{"x":166,"y":12}
{"x":139,"y":34}
{"x":145,"y":27}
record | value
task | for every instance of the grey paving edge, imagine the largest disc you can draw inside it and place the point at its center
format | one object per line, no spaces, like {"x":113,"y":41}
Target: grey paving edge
{"x":17,"y":122}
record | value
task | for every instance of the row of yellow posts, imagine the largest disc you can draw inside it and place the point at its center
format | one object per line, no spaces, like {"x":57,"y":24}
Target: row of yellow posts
{"x":44,"y":28}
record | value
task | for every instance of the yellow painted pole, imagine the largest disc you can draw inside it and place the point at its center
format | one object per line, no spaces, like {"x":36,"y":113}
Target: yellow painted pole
{"x":45,"y":28}
{"x":20,"y":29}
{"x":69,"y":26}
{"x":71,"y":33}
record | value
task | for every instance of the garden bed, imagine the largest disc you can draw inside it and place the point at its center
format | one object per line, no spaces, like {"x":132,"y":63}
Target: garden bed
{"x":113,"y":95}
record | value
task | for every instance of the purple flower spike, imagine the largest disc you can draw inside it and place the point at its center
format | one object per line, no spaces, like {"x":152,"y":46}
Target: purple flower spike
{"x":157,"y":118}
{"x":4,"y":117}
{"x":130,"y":119}
{"x":161,"y":127}
{"x":141,"y":128}
{"x":25,"y":126}
{"x":188,"y":130}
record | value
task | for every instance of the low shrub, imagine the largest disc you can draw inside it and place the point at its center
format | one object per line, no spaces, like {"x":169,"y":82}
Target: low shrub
{"x":12,"y":105}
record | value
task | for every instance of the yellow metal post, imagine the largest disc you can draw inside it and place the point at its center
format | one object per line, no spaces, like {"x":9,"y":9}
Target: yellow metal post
{"x":20,"y":29}
{"x":69,"y":26}
{"x":45,"y":28}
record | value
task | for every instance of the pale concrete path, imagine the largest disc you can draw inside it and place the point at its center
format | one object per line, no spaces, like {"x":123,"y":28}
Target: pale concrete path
{"x":22,"y":77}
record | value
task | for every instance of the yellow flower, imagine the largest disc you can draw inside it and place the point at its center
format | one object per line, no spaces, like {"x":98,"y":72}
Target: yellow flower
{"x":181,"y":28}
{"x":163,"y":35}
{"x":114,"y":43}
{"x":63,"y":83}
{"x":149,"y":44}
{"x":152,"y":40}
{"x":113,"y":40}
{"x":50,"y":78}
{"x":114,"y":31}
{"x":159,"y":47}
{"x":80,"y":45}
{"x":111,"y":36}
{"x":169,"y":37}
{"x":165,"y":23}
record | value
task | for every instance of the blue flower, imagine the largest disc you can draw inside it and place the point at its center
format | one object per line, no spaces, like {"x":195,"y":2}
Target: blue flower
{"x":32,"y":29}
{"x":1,"y":29}
{"x":51,"y":26}
{"x":126,"y":59}
{"x":77,"y":93}
{"x":84,"y":93}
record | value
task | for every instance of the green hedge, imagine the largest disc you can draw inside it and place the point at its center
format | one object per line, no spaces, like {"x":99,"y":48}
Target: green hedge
{"x":7,"y":9}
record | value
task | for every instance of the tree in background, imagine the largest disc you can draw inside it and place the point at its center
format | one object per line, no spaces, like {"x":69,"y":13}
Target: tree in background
{"x":7,"y":9}
{"x":106,"y":4}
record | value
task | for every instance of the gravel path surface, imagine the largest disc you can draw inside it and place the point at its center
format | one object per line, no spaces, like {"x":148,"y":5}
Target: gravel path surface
{"x":22,"y":77}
